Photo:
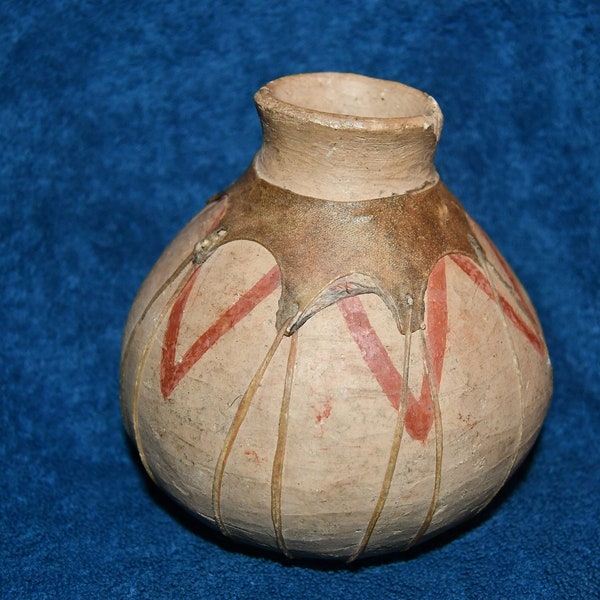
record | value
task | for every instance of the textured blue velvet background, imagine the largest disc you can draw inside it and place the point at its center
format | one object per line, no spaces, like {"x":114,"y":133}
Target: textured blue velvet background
{"x":118,"y":120}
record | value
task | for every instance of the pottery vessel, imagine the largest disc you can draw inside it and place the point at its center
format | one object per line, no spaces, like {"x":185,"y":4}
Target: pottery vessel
{"x":332,"y":359}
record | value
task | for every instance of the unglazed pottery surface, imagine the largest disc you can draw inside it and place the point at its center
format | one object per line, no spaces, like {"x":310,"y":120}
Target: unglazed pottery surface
{"x":332,"y":359}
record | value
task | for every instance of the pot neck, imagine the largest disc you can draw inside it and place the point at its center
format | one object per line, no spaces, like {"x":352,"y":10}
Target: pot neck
{"x":346,"y":137}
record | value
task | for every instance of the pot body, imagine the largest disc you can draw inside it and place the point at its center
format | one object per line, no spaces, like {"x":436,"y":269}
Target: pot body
{"x":333,"y":378}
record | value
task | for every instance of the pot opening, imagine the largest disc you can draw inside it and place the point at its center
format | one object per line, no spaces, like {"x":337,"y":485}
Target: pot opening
{"x":348,"y":95}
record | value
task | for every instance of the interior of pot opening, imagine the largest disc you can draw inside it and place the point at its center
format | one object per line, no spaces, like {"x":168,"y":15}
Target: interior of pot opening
{"x":351,"y":95}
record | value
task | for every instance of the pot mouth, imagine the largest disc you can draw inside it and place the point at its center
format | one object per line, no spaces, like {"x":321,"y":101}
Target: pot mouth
{"x":350,"y":101}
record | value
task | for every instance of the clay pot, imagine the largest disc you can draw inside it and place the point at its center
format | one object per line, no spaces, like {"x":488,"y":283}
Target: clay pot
{"x":332,"y":359}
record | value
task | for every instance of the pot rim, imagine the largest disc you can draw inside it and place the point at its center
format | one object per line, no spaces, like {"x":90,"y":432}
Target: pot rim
{"x":349,"y":101}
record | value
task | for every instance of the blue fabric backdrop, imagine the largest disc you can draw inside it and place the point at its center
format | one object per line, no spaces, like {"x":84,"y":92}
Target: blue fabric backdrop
{"x":118,"y":120}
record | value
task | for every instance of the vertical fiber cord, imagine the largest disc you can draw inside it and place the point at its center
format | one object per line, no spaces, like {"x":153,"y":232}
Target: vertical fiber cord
{"x":127,"y":349}
{"x":395,"y":449}
{"x":157,"y":294}
{"x":439,"y":443}
{"x":144,"y":356}
{"x":236,"y":424}
{"x":484,"y":265}
{"x":277,"y":474}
